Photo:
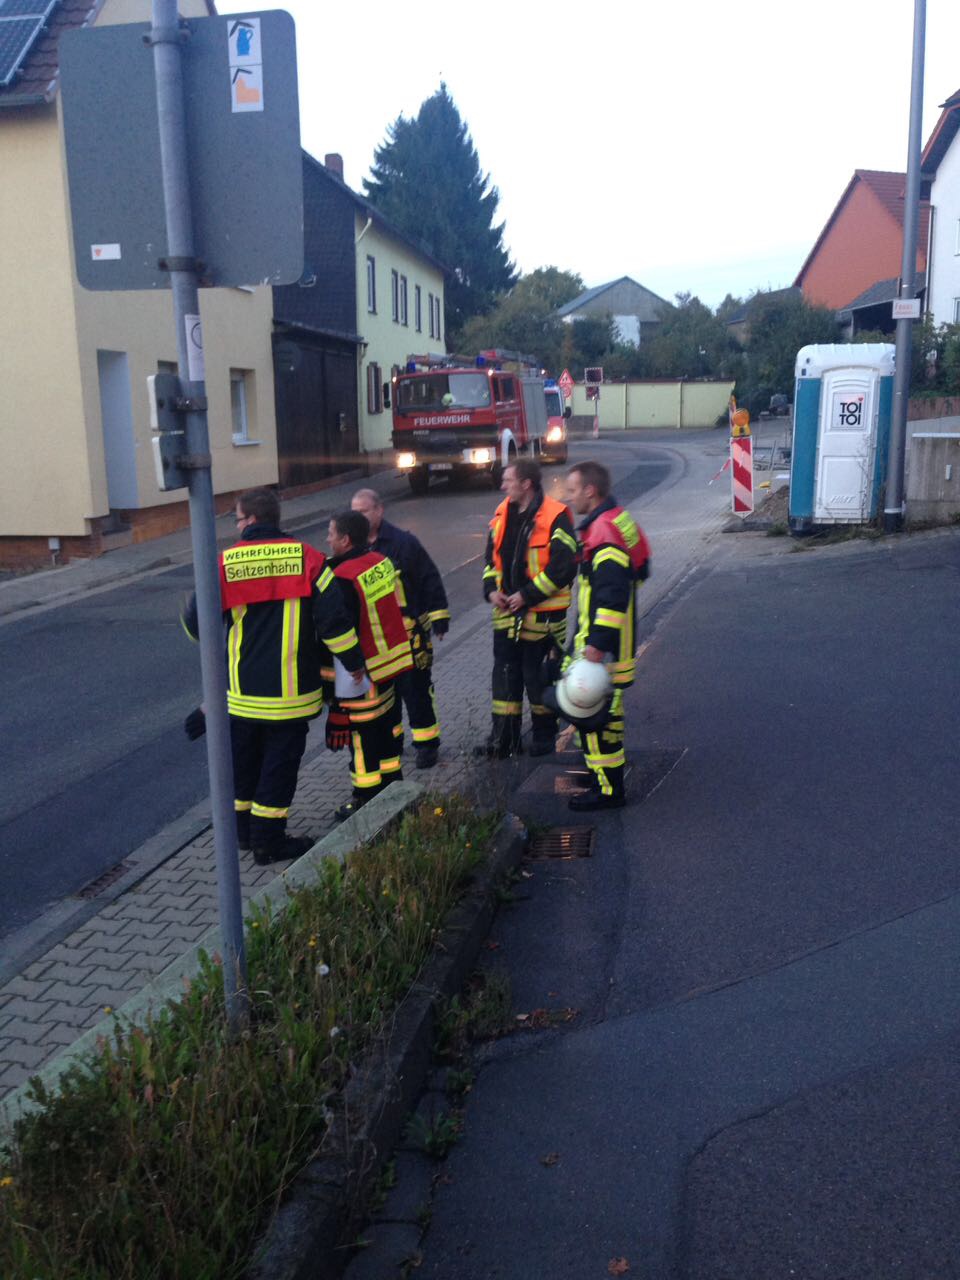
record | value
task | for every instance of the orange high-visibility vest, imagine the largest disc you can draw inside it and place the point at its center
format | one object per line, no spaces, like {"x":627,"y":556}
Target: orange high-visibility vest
{"x":538,"y":549}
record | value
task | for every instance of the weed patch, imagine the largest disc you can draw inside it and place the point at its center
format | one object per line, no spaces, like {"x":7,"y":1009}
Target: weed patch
{"x":164,"y":1154}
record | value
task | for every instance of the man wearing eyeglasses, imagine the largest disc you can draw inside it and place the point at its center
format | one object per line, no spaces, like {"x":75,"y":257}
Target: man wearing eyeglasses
{"x":280,"y":602}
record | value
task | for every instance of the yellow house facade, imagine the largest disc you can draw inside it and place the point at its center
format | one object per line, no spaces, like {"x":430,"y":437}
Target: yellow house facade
{"x":76,"y":467}
{"x":399,"y":313}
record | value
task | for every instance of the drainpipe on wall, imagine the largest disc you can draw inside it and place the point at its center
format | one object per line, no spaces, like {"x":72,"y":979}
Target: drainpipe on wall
{"x":364,"y":231}
{"x":680,"y":406}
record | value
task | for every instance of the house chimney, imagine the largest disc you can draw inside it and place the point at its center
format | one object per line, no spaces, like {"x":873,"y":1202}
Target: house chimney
{"x":334,"y":162}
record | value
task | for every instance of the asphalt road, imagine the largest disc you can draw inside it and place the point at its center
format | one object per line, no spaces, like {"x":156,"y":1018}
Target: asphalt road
{"x":762,"y":1077}
{"x":93,"y":760}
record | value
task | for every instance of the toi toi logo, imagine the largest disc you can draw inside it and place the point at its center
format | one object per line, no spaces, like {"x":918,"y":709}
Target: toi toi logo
{"x":851,"y":412}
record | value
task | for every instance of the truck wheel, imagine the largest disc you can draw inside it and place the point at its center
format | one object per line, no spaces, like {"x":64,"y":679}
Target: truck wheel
{"x":419,"y":479}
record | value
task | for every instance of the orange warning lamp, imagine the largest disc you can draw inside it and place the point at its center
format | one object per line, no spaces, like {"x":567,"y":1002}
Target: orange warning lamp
{"x":740,"y":423}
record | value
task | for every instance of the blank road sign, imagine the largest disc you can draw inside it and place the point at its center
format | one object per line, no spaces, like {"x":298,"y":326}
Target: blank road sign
{"x":246,"y":175}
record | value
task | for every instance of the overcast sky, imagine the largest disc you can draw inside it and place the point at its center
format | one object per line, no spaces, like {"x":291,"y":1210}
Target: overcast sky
{"x":693,"y":145}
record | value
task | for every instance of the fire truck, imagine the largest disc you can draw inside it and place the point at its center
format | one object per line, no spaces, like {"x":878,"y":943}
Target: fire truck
{"x":454,"y":416}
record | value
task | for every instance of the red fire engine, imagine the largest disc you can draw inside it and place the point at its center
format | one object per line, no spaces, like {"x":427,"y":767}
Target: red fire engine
{"x":452,"y":415}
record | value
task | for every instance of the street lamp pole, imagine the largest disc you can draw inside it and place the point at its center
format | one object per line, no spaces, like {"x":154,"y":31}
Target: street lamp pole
{"x":893,"y":506}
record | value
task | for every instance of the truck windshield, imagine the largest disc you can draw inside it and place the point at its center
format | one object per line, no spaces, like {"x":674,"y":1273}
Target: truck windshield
{"x":554,"y":405}
{"x":444,"y":391}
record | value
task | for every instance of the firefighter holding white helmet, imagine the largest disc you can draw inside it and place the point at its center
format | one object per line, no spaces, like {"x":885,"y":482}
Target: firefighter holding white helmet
{"x":614,"y":557}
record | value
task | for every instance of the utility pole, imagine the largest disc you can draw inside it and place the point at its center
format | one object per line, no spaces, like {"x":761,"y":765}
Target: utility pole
{"x":167,"y":37}
{"x":893,"y":507}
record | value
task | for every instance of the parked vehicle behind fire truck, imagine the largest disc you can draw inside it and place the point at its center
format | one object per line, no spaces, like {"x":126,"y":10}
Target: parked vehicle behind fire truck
{"x":453,"y":417}
{"x":554,"y":448}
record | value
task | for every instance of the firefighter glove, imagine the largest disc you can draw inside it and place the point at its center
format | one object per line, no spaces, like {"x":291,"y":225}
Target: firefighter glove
{"x":338,"y":730}
{"x":195,"y":725}
{"x":441,"y":626}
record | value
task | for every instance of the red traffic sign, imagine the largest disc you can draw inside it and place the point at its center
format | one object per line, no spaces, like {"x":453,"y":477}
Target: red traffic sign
{"x":566,"y":384}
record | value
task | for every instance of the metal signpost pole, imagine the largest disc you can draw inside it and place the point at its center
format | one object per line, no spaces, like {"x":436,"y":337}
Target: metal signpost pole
{"x":893,"y":507}
{"x":166,"y":38}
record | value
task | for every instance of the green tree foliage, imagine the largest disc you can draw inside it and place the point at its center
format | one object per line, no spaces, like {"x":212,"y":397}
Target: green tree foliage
{"x":690,"y":342}
{"x":525,"y":319}
{"x":589,"y":341}
{"x":779,"y":325}
{"x":426,"y":179}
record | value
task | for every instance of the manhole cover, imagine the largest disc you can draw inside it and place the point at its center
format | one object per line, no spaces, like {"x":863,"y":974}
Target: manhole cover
{"x":562,"y":842}
{"x":96,"y":887}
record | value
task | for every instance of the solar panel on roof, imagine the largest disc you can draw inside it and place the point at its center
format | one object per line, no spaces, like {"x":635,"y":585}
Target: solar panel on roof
{"x":26,"y":8}
{"x":21,"y":21}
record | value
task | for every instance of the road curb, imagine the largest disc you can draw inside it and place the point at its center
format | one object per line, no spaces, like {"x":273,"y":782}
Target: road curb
{"x":309,"y":1237}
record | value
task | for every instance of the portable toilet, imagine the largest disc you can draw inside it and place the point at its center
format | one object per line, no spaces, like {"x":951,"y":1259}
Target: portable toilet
{"x":842,"y":404}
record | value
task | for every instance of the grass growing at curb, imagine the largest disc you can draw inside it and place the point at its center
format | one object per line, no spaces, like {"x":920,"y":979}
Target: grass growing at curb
{"x":164,"y":1154}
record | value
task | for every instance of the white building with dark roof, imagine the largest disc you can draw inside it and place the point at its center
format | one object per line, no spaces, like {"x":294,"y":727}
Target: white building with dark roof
{"x":636,"y":311}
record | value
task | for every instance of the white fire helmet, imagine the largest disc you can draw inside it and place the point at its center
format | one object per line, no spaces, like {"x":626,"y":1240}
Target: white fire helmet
{"x":584,"y":690}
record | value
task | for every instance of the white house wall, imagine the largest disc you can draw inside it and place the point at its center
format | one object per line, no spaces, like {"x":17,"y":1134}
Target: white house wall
{"x":944,"y":289}
{"x":389,"y":341}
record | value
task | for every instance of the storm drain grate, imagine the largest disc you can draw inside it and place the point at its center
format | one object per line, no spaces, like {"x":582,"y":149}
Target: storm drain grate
{"x":96,"y":887}
{"x":562,"y":842}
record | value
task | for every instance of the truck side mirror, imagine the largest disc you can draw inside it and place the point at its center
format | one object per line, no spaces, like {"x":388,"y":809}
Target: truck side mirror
{"x":568,"y":411}
{"x":386,"y":395}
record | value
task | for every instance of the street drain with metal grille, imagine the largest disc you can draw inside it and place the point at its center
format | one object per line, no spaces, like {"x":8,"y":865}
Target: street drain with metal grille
{"x":562,"y":842}
{"x":98,"y":886}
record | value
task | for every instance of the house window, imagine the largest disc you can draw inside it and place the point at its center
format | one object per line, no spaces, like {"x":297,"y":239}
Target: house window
{"x":371,"y":284}
{"x":374,"y":389}
{"x":418,"y":308}
{"x":241,"y":403}
{"x":394,"y":296}
{"x":436,"y":319}
{"x":430,"y":310}
{"x":403,"y":300}
{"x":956,"y":311}
{"x":956,"y":246}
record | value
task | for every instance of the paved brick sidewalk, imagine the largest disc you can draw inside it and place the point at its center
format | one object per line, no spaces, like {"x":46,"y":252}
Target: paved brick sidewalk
{"x":124,"y":946}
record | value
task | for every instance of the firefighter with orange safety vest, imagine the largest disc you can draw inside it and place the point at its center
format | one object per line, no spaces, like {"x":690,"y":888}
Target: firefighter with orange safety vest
{"x":282,"y":611}
{"x":530,"y":564}
{"x":614,"y":556}
{"x":368,"y":720}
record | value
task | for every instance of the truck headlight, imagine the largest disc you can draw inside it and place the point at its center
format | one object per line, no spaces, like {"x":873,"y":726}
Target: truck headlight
{"x":406,"y":460}
{"x":481,"y":456}
{"x":554,"y":435}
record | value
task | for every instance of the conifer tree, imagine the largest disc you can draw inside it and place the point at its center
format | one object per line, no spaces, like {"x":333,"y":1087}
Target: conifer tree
{"x":426,"y":180}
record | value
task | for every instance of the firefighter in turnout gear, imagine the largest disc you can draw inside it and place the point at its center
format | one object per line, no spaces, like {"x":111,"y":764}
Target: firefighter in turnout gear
{"x":614,"y":557}
{"x":280,"y":603}
{"x":425,"y":613}
{"x":370,"y":722}
{"x":530,"y":564}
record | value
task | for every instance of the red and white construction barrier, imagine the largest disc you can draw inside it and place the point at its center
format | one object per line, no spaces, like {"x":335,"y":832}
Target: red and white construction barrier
{"x":741,"y":474}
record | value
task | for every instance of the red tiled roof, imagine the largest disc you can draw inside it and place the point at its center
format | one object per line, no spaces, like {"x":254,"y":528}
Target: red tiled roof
{"x":889,"y":190}
{"x":37,"y":78}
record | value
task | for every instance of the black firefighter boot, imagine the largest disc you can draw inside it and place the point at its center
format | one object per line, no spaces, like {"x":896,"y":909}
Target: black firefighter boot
{"x":594,"y":798}
{"x":271,"y":843}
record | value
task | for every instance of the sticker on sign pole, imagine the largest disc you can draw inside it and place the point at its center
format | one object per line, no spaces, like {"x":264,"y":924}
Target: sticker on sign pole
{"x":246,"y":65}
{"x":196,"y":370}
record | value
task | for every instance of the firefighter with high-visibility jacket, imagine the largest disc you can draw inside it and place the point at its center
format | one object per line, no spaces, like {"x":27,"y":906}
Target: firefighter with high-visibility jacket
{"x":368,"y":721}
{"x":282,"y":609}
{"x":426,"y":615}
{"x":530,"y":564}
{"x":614,"y":557}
